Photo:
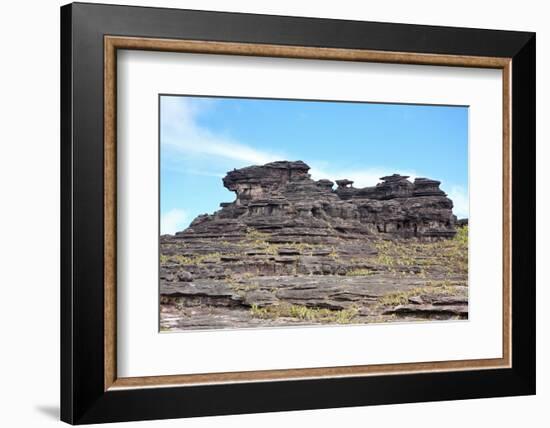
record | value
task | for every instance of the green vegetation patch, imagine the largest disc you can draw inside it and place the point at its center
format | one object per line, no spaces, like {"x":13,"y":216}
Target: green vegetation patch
{"x":343,"y":316}
{"x":450,"y":255}
{"x":431,"y":288}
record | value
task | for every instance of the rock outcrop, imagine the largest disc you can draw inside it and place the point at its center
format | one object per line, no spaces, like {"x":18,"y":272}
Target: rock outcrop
{"x":281,"y":199}
{"x":294,"y":251}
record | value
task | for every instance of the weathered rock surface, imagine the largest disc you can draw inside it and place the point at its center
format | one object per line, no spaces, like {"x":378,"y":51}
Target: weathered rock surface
{"x":280,"y":198}
{"x":290,"y":250}
{"x":437,"y":306}
{"x":215,"y":304}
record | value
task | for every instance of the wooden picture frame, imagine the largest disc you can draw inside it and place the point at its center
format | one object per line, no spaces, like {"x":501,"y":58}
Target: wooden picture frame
{"x":91,"y":390}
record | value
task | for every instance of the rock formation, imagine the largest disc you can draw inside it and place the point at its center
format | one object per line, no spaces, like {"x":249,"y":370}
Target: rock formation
{"x":281,"y":199}
{"x":290,"y":250}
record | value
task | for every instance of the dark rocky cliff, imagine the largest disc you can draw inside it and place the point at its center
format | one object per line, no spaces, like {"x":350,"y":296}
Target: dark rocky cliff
{"x":281,"y":199}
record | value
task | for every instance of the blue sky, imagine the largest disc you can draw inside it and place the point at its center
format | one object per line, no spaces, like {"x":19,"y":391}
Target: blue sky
{"x":202,"y":138}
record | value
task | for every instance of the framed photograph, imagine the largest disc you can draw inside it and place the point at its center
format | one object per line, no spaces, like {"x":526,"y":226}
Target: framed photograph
{"x":266,"y":213}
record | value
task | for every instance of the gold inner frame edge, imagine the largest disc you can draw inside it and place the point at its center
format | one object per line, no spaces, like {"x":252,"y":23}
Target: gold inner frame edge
{"x":113,"y":43}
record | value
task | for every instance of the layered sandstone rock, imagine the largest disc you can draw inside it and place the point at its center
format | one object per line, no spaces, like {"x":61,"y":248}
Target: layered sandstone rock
{"x":291,"y":250}
{"x":281,"y":199}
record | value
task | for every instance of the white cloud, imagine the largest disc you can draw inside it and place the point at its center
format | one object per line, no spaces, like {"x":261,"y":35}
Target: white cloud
{"x":173,"y":221}
{"x":182,"y":132}
{"x":460,"y":200}
{"x":213,"y":154}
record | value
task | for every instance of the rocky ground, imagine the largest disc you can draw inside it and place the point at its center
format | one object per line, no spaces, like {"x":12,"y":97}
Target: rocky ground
{"x":290,"y":250}
{"x":256,"y":283}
